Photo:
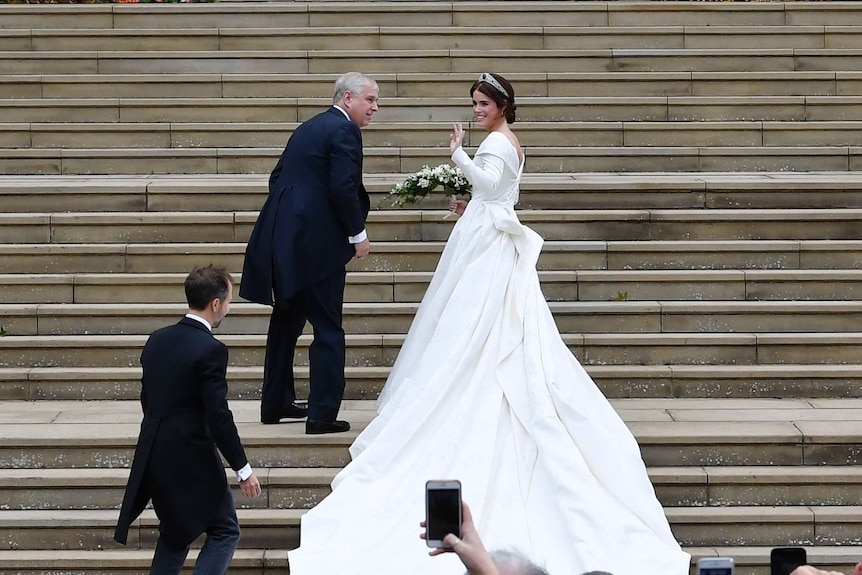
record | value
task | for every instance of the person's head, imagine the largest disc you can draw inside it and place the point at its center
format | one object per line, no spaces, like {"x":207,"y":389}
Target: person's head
{"x":512,"y":563}
{"x":357,"y":94}
{"x":598,"y":573}
{"x":208,"y":293}
{"x":493,"y":100}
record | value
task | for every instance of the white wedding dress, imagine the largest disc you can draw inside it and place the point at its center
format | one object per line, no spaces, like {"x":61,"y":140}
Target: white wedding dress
{"x":484,"y":390}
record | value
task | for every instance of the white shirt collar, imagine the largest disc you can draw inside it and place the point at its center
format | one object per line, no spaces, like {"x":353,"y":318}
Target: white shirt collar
{"x":342,"y":110}
{"x":200,"y":319}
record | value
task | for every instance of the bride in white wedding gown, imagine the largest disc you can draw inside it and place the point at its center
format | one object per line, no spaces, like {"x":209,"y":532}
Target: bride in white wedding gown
{"x":484,"y":390}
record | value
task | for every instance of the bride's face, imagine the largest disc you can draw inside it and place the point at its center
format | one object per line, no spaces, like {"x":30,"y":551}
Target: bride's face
{"x":486,"y":111}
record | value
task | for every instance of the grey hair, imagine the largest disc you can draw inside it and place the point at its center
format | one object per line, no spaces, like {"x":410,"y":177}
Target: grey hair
{"x":598,"y":573}
{"x":513,"y":563}
{"x":353,"y":82}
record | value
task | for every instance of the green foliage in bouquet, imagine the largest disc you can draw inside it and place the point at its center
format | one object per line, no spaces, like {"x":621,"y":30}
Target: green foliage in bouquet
{"x":414,"y":189}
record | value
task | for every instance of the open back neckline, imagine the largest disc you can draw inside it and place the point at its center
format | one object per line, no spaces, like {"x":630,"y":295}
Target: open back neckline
{"x":522,"y":158}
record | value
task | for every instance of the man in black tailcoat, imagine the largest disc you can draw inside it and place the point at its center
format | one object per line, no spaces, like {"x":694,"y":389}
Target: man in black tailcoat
{"x":311,"y":226}
{"x":186,"y":422}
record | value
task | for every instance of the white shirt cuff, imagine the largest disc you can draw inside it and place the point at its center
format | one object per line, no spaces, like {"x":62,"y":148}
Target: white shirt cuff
{"x":244,"y":473}
{"x":358,"y":238}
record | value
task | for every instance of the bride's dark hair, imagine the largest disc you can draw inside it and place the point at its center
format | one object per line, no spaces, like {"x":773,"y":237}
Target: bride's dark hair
{"x":505,"y":103}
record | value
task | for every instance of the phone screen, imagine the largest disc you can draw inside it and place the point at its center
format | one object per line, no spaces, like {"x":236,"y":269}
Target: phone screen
{"x":715,"y":571}
{"x":444,"y":513}
{"x":783,"y":560}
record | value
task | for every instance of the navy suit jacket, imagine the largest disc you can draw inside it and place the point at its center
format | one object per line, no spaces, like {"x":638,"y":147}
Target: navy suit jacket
{"x":316,"y":200}
{"x":186,"y":417}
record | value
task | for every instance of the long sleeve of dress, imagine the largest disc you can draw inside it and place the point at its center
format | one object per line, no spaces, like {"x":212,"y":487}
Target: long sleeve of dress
{"x":485,"y":170}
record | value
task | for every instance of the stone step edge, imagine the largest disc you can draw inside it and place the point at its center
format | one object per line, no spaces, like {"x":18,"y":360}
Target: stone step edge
{"x":412,"y":152}
{"x":384,"y":78}
{"x":662,"y":307}
{"x":412,"y":30}
{"x":425,"y":102}
{"x":436,"y":126}
{"x":598,"y":339}
{"x":434,"y":246}
{"x":602,"y":181}
{"x":139,"y":559}
{"x":71,"y":478}
{"x":78,"y":519}
{"x":707,"y":372}
{"x":387,"y":277}
{"x":437,"y":216}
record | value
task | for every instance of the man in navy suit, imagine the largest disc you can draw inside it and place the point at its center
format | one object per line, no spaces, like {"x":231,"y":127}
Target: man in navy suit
{"x":186,"y":417}
{"x":311,"y":226}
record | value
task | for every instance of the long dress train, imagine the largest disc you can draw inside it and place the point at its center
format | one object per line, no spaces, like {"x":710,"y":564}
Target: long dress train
{"x":484,"y":390}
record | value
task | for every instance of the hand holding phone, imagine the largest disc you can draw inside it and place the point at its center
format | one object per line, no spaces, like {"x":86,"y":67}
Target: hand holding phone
{"x":442,"y":511}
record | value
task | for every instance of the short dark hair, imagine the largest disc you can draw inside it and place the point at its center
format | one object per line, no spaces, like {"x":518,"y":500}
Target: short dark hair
{"x":206,"y":283}
{"x":505,"y":103}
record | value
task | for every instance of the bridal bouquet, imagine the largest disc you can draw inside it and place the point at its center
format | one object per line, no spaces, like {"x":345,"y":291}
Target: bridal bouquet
{"x":418,"y":185}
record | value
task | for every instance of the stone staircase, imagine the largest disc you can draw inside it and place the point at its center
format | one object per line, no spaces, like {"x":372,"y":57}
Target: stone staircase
{"x":692,"y":167}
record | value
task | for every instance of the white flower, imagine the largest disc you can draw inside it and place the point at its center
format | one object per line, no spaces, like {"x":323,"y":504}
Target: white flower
{"x":416,"y":186}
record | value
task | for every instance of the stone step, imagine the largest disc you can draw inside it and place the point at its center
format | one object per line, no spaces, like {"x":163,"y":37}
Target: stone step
{"x":671,"y":433}
{"x":365,"y":380}
{"x":271,"y":528}
{"x":430,"y":134}
{"x":428,"y":14}
{"x":117,"y":560}
{"x":420,"y":85}
{"x":750,"y":560}
{"x":434,"y":60}
{"x":411,"y":225}
{"x":591,"y":190}
{"x":302,"y":488}
{"x":395,"y":318}
{"x":406,"y":37}
{"x":375,"y":350}
{"x":423,"y":256}
{"x":452,"y":108}
{"x":174,"y":161}
{"x":382,"y":287}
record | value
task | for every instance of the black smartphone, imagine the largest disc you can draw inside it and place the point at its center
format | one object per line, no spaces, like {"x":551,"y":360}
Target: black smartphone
{"x":783,"y":560}
{"x":442,"y":510}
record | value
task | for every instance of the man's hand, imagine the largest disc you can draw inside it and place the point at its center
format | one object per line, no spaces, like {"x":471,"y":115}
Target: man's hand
{"x":363,"y":248}
{"x":250,"y":486}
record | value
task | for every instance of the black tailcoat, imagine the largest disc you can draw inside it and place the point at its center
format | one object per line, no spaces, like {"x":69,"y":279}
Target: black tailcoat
{"x":316,"y":200}
{"x":186,"y":417}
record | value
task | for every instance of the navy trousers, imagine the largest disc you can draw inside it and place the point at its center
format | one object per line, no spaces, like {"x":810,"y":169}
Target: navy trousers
{"x":321,"y":305}
{"x":217,"y":552}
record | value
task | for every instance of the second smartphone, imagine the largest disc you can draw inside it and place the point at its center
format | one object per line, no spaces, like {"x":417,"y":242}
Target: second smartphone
{"x":442,"y":510}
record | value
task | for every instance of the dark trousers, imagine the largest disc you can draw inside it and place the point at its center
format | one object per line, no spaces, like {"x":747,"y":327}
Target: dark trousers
{"x":214,"y":557}
{"x":320,"y":304}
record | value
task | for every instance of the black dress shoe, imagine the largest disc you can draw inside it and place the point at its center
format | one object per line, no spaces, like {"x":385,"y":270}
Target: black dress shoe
{"x":292,"y":411}
{"x":314,"y":427}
